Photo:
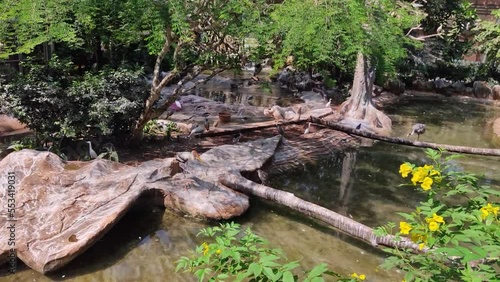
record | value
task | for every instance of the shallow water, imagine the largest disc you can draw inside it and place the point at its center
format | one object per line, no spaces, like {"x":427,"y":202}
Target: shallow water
{"x":145,"y":244}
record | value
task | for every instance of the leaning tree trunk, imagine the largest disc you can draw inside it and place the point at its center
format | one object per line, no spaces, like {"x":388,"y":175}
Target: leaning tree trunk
{"x":359,"y":108}
{"x":345,"y":224}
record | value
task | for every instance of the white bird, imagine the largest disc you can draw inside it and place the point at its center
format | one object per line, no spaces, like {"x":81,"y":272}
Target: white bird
{"x":418,"y":129}
{"x":197,"y":130}
{"x":439,"y":29}
{"x":329,"y":103}
{"x":307,"y":129}
{"x":92,"y":153}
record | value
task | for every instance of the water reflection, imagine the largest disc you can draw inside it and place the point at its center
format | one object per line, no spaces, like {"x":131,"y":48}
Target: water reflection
{"x":362,"y":184}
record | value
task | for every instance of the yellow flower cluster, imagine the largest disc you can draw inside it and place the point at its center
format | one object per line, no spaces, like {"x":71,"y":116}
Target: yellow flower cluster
{"x":424,"y":175}
{"x":434,"y":222}
{"x":487,"y":210}
{"x":206,"y":248}
{"x":419,"y":238}
{"x":360,"y":277}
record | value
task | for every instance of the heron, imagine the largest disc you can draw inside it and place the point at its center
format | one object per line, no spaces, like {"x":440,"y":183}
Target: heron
{"x":329,"y":103}
{"x":197,"y":130}
{"x":92,"y":153}
{"x":418,"y":128}
{"x":308,"y":128}
{"x":206,"y":124}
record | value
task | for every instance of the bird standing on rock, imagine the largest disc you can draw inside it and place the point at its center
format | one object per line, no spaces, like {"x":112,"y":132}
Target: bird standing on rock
{"x":197,"y":130}
{"x":196,"y":155}
{"x":329,"y":103}
{"x":308,"y":128}
{"x":92,"y":153}
{"x":418,"y":129}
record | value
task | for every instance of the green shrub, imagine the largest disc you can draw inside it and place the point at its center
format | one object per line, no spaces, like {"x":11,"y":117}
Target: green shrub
{"x":53,"y":101}
{"x":457,"y":228}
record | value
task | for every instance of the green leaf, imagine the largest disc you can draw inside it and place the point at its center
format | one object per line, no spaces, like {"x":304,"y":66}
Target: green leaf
{"x":288,"y":277}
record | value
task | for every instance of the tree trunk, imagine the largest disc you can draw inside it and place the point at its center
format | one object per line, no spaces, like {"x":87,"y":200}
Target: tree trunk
{"x":396,"y":140}
{"x":359,"y":107}
{"x":345,"y":224}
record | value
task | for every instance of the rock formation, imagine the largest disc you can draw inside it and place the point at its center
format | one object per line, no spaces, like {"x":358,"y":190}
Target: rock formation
{"x":61,"y":209}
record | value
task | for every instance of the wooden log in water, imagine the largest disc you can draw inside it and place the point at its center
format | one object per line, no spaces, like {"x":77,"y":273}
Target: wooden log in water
{"x":396,"y":140}
{"x":345,"y":224}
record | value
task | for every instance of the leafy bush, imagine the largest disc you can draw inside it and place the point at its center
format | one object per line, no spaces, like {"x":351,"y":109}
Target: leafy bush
{"x":232,"y":257}
{"x":51,"y":100}
{"x":457,"y":228}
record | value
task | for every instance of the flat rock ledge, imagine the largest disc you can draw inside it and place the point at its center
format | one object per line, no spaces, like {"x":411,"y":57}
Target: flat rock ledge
{"x":62,"y":209}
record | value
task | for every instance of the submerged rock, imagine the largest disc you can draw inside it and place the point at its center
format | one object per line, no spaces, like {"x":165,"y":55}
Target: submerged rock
{"x":61,"y":209}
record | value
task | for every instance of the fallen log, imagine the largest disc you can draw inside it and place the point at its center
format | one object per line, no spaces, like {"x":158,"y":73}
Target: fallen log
{"x":241,"y":128}
{"x":396,"y":140}
{"x":342,"y":223}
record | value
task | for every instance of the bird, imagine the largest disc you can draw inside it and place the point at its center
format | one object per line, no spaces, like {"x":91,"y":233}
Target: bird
{"x":236,"y":138}
{"x":307,"y":129}
{"x":206,"y":124}
{"x":329,"y":103}
{"x":92,"y":153}
{"x":275,"y":111}
{"x":358,"y":127}
{"x":439,"y":29}
{"x":197,"y":130}
{"x":418,"y":128}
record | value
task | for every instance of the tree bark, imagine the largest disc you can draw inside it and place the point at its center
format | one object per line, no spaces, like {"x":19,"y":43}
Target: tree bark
{"x":359,"y":107}
{"x":395,"y":140}
{"x":345,"y":224}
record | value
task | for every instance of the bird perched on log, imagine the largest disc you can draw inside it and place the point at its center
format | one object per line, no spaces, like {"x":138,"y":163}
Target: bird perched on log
{"x":308,"y":128}
{"x":329,"y":103}
{"x":418,"y":128}
{"x":206,"y":124}
{"x":197,"y":130}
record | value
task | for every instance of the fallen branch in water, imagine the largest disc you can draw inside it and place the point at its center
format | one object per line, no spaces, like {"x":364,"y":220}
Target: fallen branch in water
{"x":345,"y":224}
{"x":396,"y":140}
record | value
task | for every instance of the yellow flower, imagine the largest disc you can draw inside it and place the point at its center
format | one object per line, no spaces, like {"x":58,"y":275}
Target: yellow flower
{"x":435,"y":218}
{"x":486,"y":210}
{"x":421,"y":246}
{"x":433,"y":226}
{"x":418,"y":238}
{"x":426,"y":183}
{"x":484,"y":213}
{"x":428,"y":168}
{"x":418,"y":175}
{"x":361,"y":277}
{"x":218,"y":251}
{"x":206,"y":248}
{"x":404,"y":170}
{"x":435,"y":172}
{"x":404,"y":227}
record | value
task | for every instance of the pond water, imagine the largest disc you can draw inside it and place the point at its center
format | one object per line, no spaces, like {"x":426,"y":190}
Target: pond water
{"x":145,"y":243}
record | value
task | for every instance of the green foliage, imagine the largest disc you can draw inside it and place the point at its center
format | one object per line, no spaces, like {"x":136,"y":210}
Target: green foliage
{"x":110,"y":154}
{"x":25,"y":24}
{"x":329,"y":33}
{"x":153,"y":127}
{"x":50,"y":100}
{"x":488,"y":39}
{"x":457,"y":228}
{"x":24,"y":143}
{"x":234,"y":256}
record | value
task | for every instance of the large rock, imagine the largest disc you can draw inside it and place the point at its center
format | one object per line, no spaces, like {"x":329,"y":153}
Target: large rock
{"x":61,"y":209}
{"x":496,"y":92}
{"x":481,"y":89}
